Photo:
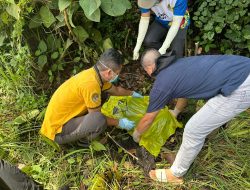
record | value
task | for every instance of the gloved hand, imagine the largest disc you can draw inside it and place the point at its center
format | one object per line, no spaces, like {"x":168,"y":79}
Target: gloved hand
{"x":136,"y":95}
{"x":136,"y":136}
{"x":124,"y":123}
{"x":136,"y":53}
{"x":162,"y":50}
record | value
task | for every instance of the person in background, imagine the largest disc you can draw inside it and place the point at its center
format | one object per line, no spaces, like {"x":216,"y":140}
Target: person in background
{"x":168,"y":29}
{"x":224,"y":80}
{"x":11,"y":178}
{"x":74,"y":111}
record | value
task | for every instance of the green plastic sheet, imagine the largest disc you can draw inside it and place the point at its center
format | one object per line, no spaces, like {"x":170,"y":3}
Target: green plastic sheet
{"x":134,"y":109}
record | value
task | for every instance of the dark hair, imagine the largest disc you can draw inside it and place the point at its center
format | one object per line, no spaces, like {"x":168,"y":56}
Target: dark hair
{"x":149,"y":50}
{"x":111,"y":58}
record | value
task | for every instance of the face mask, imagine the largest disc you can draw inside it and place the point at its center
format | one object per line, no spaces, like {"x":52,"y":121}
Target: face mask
{"x":115,"y":79}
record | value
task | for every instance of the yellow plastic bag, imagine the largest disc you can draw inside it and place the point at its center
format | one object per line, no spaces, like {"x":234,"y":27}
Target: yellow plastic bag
{"x":134,"y":109}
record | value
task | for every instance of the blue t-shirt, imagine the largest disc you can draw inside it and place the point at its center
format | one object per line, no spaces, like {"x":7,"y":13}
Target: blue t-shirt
{"x":166,"y":9}
{"x":198,"y":77}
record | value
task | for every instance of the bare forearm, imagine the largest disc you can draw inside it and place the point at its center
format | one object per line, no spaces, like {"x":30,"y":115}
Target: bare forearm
{"x":181,"y":104}
{"x":143,"y":125}
{"x":112,"y":122}
{"x":121,"y":92}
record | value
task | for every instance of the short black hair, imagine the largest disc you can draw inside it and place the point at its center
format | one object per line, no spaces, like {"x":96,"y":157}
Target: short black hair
{"x":112,"y":59}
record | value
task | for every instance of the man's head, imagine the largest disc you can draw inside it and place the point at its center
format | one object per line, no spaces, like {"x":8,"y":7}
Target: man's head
{"x":110,"y":64}
{"x":148,"y":60}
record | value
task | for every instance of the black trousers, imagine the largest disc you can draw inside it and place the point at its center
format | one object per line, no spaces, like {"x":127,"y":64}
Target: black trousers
{"x":11,"y":178}
{"x":156,"y":35}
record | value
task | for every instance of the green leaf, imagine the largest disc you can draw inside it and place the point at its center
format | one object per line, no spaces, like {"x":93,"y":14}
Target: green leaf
{"x":42,"y":60}
{"x":76,"y":59}
{"x":54,"y":55}
{"x":35,"y":21}
{"x":91,"y":9}
{"x":80,"y":33}
{"x":96,"y":35}
{"x":97,"y":146}
{"x":47,"y":17}
{"x":14,"y":11}
{"x":2,"y":38}
{"x":115,"y":7}
{"x":42,"y":46}
{"x":70,"y":11}
{"x":107,"y":44}
{"x":68,"y":44}
{"x":25,"y":117}
{"x":246,"y":32}
{"x":71,"y":160}
{"x":207,"y":47}
{"x":63,"y":4}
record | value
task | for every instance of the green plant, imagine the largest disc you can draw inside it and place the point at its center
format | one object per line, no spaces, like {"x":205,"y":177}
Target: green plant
{"x":223,"y":25}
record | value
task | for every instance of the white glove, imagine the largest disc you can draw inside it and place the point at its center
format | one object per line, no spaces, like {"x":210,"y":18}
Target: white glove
{"x":175,"y":112}
{"x":171,"y":34}
{"x":143,"y":27}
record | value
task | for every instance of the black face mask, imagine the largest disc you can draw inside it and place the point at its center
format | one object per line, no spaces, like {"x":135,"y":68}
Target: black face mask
{"x":164,"y":61}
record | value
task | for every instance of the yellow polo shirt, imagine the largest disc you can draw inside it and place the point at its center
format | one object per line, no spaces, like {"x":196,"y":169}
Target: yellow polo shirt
{"x":73,"y":98}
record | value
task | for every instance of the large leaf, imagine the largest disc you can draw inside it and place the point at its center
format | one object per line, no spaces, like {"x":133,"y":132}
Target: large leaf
{"x":70,"y":11}
{"x":35,"y":21}
{"x":80,"y":33}
{"x":14,"y":11}
{"x":63,"y":4}
{"x":115,"y":7}
{"x":47,"y":17}
{"x":91,"y":9}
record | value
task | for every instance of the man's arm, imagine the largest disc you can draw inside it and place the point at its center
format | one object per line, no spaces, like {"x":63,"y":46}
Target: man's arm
{"x":119,"y":91}
{"x":144,"y":125}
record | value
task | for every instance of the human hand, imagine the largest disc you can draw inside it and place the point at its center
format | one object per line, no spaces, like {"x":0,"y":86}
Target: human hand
{"x":162,"y":50}
{"x":136,"y":95}
{"x":135,"y":54}
{"x":126,"y":124}
{"x":136,"y":136}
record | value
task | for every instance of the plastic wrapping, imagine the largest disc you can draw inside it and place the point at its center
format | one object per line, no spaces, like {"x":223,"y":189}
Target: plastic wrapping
{"x":134,"y":109}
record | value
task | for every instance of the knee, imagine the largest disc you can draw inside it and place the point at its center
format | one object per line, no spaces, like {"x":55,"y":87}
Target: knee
{"x":100,"y":119}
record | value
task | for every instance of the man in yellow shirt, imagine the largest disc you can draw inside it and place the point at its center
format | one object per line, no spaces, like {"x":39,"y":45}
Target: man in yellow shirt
{"x":73,"y":113}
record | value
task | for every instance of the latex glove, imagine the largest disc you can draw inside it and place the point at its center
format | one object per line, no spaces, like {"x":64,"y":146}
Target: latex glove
{"x":163,"y":50}
{"x":175,"y":112}
{"x":142,"y":30}
{"x":136,"y":136}
{"x":136,"y":54}
{"x":126,"y":124}
{"x":136,"y":95}
{"x":172,"y":32}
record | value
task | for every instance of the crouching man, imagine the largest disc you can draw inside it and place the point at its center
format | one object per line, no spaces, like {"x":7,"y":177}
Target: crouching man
{"x":73,"y":113}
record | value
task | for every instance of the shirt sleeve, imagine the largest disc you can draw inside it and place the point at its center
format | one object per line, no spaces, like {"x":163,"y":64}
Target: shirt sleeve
{"x":106,"y":86}
{"x":91,"y":95}
{"x":144,"y":10}
{"x":157,"y":100}
{"x":180,"y":7}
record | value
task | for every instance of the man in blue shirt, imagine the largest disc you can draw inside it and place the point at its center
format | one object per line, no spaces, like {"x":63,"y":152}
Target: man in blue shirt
{"x":223,"y":80}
